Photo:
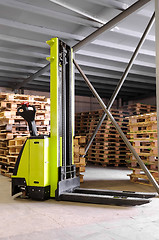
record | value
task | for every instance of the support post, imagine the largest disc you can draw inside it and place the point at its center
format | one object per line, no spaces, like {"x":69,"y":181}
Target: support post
{"x":157,"y":64}
{"x":122,"y":80}
{"x":104,"y":107}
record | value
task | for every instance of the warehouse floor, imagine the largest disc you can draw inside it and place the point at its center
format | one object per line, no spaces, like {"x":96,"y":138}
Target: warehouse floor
{"x":31,"y":220}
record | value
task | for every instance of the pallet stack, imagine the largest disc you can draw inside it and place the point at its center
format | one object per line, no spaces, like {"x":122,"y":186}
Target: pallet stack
{"x":10,"y":149}
{"x":143,"y":136}
{"x":79,"y":150}
{"x":139,"y":108}
{"x":107,"y":148}
{"x":13,"y":128}
{"x":82,"y":123}
{"x":9,"y":154}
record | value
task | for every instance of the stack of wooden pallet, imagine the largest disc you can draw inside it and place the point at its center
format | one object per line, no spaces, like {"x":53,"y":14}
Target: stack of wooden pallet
{"x":8,"y":108}
{"x":9,"y":151}
{"x":14,"y":130}
{"x":143,"y":136}
{"x":139,"y":108}
{"x":107,"y":148}
{"x":13,"y":127}
{"x":79,"y":150}
{"x":82,"y":123}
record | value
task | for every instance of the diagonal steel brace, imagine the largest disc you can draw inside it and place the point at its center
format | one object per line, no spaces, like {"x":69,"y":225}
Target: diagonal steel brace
{"x":122,"y":80}
{"x":128,"y":144}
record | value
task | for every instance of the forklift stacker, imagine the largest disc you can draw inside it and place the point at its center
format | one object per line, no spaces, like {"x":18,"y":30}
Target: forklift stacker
{"x":45,"y":168}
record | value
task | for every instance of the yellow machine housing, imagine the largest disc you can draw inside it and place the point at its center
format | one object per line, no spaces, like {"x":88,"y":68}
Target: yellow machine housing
{"x":45,"y":164}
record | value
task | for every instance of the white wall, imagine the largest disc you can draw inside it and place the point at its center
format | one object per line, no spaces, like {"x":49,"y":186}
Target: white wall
{"x":150,"y":101}
{"x":84,"y":104}
{"x":6,"y":90}
{"x":31,"y":92}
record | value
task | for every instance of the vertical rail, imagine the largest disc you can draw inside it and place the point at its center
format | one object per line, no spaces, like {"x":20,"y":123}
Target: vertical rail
{"x":142,"y":165}
{"x":157,"y":64}
{"x":122,"y":80}
{"x":64,"y":133}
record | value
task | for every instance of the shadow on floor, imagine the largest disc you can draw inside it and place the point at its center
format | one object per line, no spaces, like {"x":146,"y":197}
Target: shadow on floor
{"x":122,"y":185}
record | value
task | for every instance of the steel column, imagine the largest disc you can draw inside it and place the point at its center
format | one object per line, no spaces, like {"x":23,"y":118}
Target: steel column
{"x":104,"y":107}
{"x":122,"y":80}
{"x":157,"y":64}
{"x":110,"y":24}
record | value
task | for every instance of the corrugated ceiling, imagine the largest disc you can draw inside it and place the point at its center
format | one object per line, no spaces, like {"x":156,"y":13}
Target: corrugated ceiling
{"x":25,"y":26}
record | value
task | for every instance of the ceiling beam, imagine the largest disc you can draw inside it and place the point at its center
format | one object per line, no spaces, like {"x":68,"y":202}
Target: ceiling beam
{"x":134,"y":7}
{"x":22,"y":63}
{"x":80,"y":11}
{"x":51,"y":32}
{"x":92,"y":71}
{"x":32,"y":77}
{"x":106,"y":85}
{"x":11,"y":80}
{"x":144,"y":72}
{"x":104,"y":44}
{"x":131,"y":78}
{"x":100,"y":87}
{"x":49,"y":13}
{"x":118,"y":46}
{"x":44,"y":31}
{"x":81,"y":53}
{"x":114,"y":58}
{"x":105,"y":92}
{"x":123,"y":15}
{"x":26,"y":53}
{"x":111,"y":4}
{"x":37,"y":29}
{"x":23,"y":41}
{"x":114,"y":82}
{"x":13,"y":75}
{"x":111,"y":87}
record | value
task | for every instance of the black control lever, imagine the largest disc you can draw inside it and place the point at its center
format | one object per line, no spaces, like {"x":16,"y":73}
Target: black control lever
{"x":28,"y":113}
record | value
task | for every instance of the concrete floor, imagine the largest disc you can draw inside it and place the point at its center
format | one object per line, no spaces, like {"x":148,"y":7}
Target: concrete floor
{"x":23,"y":219}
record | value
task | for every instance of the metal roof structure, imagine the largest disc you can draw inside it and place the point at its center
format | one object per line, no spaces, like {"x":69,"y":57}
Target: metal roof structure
{"x":26,"y":25}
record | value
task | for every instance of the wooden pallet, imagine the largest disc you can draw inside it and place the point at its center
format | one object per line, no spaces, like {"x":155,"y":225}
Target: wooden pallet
{"x":6,"y":136}
{"x":105,"y":163}
{"x":12,"y":158}
{"x":138,"y":176}
{"x":144,"y":118}
{"x":79,"y":150}
{"x":138,"y":108}
{"x":107,"y":141}
{"x":25,"y":98}
{"x":143,"y":138}
{"x":143,"y":135}
{"x":144,"y":142}
{"x":12,"y":105}
{"x":17,"y":141}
